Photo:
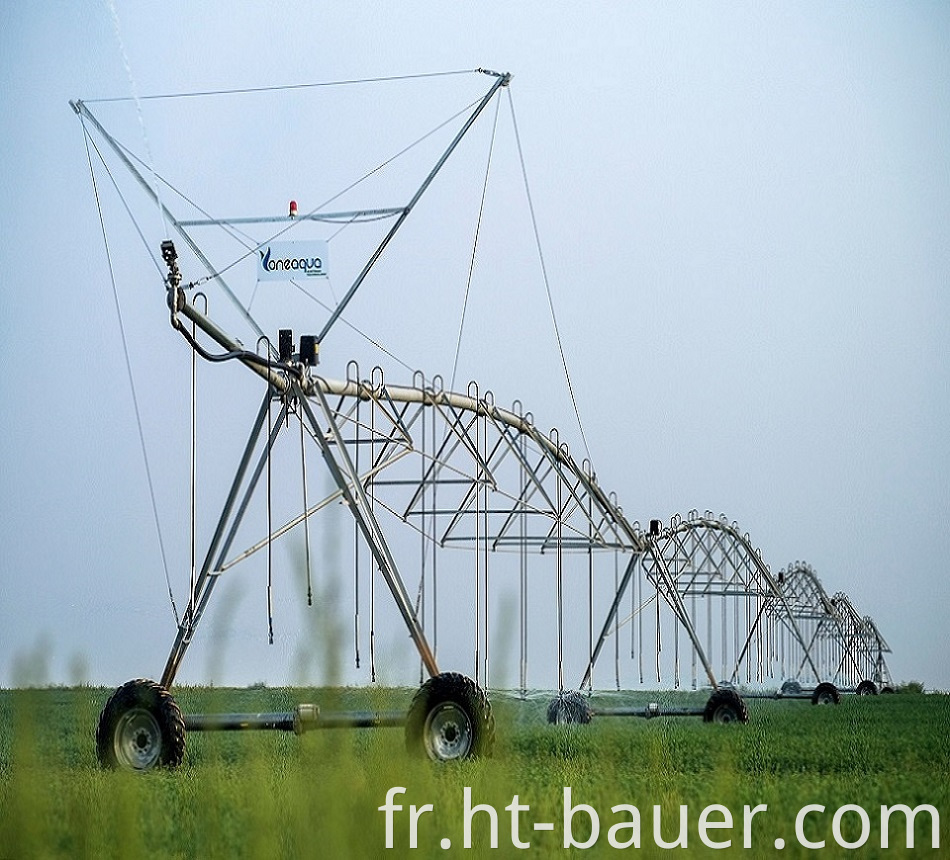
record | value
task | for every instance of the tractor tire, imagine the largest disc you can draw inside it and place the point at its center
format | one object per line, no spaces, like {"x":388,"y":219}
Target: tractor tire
{"x":867,"y":688}
{"x":825,"y":694}
{"x":725,"y":706}
{"x":450,"y":719}
{"x":569,"y":708}
{"x":140,"y":727}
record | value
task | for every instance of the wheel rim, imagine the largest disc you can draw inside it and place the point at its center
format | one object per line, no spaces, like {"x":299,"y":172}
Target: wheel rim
{"x":725,"y":714}
{"x":448,"y":733}
{"x":826,"y":699}
{"x":138,"y":739}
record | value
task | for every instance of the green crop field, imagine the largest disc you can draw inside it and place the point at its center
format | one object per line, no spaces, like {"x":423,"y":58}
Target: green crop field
{"x":266,"y":794}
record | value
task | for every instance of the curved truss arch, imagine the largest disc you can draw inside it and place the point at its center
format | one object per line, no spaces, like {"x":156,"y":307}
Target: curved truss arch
{"x":818,"y":620}
{"x":804,"y":592}
{"x":747,"y":625}
{"x":736,"y":605}
{"x":463,"y":472}
{"x":480,"y":447}
{"x":860,"y":648}
{"x":846,"y":647}
{"x":455,"y":467}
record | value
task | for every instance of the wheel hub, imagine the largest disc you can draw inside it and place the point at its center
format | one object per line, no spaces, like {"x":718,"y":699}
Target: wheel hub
{"x":448,"y":733}
{"x":138,"y":739}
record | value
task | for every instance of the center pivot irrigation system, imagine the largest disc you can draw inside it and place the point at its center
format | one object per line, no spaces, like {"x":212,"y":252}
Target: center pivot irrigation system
{"x":507,"y":531}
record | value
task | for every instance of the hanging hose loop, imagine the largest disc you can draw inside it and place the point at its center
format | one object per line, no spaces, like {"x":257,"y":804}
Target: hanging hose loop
{"x":378,"y":379}
{"x":266,"y":342}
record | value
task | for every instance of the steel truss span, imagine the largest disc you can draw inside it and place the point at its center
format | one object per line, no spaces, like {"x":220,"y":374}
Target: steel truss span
{"x":847,"y":649}
{"x":457,"y":471}
{"x":462,"y":473}
{"x":754,"y":628}
{"x":734,"y":603}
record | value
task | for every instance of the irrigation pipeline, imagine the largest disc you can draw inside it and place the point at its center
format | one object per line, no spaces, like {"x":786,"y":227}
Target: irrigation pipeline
{"x":523,"y":490}
{"x":694,"y":565}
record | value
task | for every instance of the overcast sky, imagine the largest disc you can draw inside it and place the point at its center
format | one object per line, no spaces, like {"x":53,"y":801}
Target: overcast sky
{"x":744,"y":214}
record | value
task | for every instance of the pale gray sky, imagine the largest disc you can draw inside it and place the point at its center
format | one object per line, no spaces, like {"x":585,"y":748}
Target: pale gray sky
{"x":743,"y":210}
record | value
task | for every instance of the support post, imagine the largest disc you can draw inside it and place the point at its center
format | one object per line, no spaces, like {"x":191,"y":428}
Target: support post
{"x":611,"y":615}
{"x":83,"y":112}
{"x":502,"y":81}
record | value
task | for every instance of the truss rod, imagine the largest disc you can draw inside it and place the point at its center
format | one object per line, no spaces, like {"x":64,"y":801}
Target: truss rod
{"x":611,"y":616}
{"x":501,"y":81}
{"x":286,"y":219}
{"x":82,"y":110}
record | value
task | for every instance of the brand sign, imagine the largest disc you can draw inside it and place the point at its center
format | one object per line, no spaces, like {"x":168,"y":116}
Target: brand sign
{"x":282,"y":261}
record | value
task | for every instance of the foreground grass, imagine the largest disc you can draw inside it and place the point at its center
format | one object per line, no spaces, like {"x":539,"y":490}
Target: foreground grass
{"x":275,"y":795}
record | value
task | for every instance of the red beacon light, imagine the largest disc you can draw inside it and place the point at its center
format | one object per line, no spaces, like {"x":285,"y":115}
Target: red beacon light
{"x":293,"y":208}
